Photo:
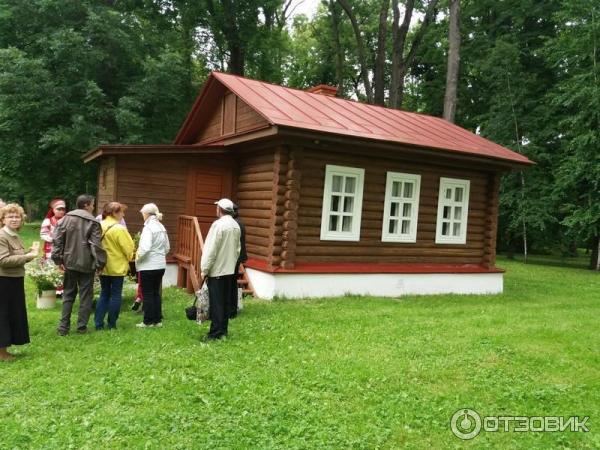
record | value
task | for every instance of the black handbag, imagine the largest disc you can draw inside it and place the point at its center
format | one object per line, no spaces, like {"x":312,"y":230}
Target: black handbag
{"x":192,"y":311}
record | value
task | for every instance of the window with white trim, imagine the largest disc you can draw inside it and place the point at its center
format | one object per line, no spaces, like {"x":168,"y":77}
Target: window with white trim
{"x":342,"y":203}
{"x":453,"y":208}
{"x":401,"y":208}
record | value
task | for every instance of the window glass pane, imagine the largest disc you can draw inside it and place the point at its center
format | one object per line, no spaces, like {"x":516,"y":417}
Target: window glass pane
{"x":445,"y":228}
{"x":406,"y":209}
{"x":405,"y":226}
{"x":336,"y":185}
{"x":393,"y":227}
{"x":335,"y":203}
{"x":446,"y":213}
{"x":347,"y":223}
{"x":350,"y":185}
{"x":458,"y":194}
{"x":348,"y":204}
{"x":396,"y":185}
{"x":458,"y":213}
{"x":456,"y":230}
{"x":449,"y":193}
{"x":394,"y":209}
{"x":333,"y":222}
{"x":408,"y":190}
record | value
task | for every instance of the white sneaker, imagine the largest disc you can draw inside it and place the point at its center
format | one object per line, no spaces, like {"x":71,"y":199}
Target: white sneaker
{"x":143,"y":325}
{"x":158,"y":325}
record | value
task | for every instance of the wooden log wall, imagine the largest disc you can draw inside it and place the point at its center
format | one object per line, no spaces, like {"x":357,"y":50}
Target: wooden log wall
{"x":157,"y":179}
{"x":370,"y":248}
{"x":491,"y":221}
{"x":291,"y":205}
{"x":257,"y":187}
{"x":107,"y":182}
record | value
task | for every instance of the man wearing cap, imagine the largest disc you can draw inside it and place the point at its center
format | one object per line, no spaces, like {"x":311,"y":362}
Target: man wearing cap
{"x":218,"y":266}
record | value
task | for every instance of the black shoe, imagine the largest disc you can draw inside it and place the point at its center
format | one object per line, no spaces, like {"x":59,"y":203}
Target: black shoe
{"x":82,"y":330}
{"x":136,"y":306}
{"x":62,"y":332}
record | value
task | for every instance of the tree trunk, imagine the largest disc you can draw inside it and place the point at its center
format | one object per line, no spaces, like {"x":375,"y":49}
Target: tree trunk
{"x":236,"y":58}
{"x":400,"y":63}
{"x":453,"y":61}
{"x":399,"y":33}
{"x":362,"y":59}
{"x":339,"y":55}
{"x":595,"y":256}
{"x":379,"y":75}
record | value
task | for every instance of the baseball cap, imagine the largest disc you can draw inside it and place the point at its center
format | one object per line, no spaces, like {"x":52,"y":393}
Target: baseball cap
{"x":225,"y":204}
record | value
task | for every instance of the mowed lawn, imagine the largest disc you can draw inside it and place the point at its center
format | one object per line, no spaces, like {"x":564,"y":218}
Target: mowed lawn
{"x":344,"y":373}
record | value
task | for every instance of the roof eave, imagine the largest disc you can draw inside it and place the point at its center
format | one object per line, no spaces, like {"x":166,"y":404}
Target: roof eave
{"x":506,"y":164}
{"x":167,"y":149}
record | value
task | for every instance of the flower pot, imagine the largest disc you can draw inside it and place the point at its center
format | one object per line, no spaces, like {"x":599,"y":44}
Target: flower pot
{"x":47,"y":299}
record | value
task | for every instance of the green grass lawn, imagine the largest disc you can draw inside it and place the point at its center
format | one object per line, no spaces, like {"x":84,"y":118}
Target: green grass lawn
{"x":344,"y":373}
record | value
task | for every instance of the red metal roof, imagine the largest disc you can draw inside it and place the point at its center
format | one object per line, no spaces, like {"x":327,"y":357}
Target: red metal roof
{"x":295,"y":108}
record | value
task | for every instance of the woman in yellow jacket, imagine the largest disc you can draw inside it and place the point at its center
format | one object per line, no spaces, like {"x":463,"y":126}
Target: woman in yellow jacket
{"x":119,"y":247}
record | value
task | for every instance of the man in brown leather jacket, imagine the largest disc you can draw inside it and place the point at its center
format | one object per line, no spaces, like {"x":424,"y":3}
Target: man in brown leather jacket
{"x":78,"y":249}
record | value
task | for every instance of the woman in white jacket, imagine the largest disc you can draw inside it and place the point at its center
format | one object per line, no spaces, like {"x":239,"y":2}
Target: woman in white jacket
{"x":151,"y":262}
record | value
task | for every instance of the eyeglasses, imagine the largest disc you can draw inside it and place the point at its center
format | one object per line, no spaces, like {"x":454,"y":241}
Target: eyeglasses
{"x":60,"y":209}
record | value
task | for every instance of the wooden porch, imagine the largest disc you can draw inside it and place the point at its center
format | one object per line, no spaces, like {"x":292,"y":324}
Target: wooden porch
{"x":188,"y":252}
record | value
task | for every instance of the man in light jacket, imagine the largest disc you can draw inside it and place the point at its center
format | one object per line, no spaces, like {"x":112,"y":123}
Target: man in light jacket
{"x":218,"y":266}
{"x":78,"y":249}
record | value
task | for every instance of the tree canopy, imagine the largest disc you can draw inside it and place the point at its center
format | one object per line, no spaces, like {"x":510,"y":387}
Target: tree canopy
{"x":77,"y":74}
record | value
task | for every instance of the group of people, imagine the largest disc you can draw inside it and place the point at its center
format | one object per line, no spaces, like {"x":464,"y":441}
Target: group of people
{"x":83,"y":246}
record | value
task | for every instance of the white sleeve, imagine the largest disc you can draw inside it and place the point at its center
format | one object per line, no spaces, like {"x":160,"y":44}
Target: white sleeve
{"x":145,"y":243}
{"x":209,"y":252}
{"x":46,"y":231}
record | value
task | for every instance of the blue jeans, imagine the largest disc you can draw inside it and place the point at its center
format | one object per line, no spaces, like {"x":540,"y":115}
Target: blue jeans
{"x":111,"y":292}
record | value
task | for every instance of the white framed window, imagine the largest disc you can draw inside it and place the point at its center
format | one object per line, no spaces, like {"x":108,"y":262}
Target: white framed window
{"x":401,"y":208}
{"x":342,"y":203}
{"x":453,"y":209}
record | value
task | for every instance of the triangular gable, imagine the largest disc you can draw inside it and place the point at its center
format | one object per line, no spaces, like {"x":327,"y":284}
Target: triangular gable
{"x":218,"y":113}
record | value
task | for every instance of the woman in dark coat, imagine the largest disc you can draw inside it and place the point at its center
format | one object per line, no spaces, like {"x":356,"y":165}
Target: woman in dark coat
{"x":14,"y":329}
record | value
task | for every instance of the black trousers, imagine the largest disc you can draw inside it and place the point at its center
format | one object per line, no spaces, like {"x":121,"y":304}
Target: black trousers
{"x":14,"y":329}
{"x":219,"y":295}
{"x":151,"y":281}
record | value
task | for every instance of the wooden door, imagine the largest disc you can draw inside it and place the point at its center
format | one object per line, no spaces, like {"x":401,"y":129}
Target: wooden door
{"x":208,"y":181}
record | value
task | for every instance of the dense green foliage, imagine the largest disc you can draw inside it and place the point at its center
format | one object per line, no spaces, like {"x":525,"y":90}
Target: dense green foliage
{"x":80,"y":73}
{"x":353,"y":372}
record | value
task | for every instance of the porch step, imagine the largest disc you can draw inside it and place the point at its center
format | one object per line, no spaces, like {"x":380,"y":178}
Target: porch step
{"x":244,"y":282}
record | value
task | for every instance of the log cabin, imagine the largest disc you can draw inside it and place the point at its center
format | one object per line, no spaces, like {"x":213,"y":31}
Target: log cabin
{"x":337,"y":196}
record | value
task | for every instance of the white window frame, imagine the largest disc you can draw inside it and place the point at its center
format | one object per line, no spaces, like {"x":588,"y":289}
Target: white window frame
{"x":399,"y":177}
{"x":452,"y":183}
{"x":359,"y":175}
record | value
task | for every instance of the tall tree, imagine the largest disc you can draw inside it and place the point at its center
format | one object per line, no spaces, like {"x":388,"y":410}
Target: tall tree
{"x":453,"y":61}
{"x":361,"y":49}
{"x":379,"y":72}
{"x":576,"y":104}
{"x":401,"y":56}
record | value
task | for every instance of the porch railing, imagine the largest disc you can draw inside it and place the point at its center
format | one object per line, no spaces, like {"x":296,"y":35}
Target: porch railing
{"x":188,"y":252}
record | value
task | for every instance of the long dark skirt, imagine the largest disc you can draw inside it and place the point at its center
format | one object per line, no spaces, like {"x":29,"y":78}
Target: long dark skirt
{"x":14,"y":329}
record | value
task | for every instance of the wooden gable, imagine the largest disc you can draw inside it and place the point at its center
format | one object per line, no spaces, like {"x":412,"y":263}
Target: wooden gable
{"x":229,"y":116}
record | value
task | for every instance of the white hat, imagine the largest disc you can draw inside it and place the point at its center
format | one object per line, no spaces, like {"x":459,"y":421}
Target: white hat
{"x":225,"y":204}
